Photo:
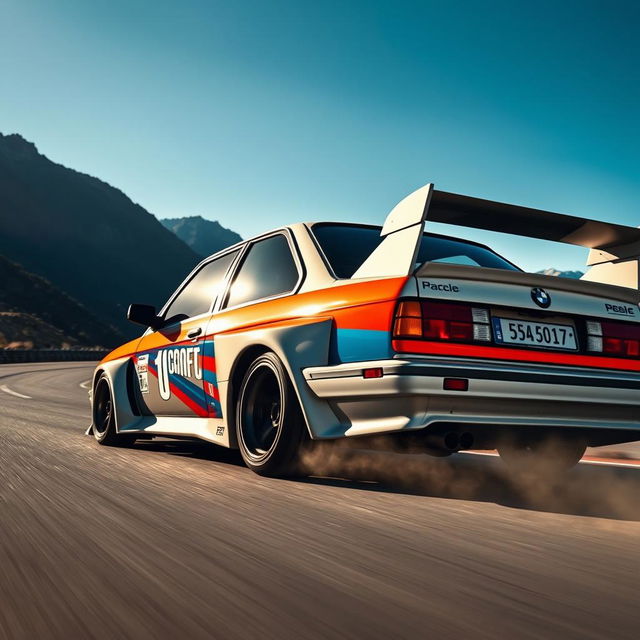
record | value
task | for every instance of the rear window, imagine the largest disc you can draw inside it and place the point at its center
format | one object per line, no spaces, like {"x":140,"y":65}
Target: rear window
{"x":346,"y":247}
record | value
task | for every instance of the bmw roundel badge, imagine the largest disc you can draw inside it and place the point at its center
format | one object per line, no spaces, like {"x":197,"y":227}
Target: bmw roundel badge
{"x":540,"y":297}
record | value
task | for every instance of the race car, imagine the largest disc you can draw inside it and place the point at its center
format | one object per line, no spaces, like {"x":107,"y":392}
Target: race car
{"x":321,"y":331}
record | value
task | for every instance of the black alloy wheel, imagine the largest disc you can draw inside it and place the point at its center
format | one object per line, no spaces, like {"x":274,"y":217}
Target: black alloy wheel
{"x":104,"y":418}
{"x":269,"y":423}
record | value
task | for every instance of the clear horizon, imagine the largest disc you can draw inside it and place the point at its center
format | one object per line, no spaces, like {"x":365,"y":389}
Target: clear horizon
{"x":260,"y":115}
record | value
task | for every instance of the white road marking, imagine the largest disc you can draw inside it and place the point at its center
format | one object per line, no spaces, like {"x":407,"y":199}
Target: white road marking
{"x":13,"y":393}
{"x":605,"y":463}
{"x":85,"y":384}
{"x":479,"y":453}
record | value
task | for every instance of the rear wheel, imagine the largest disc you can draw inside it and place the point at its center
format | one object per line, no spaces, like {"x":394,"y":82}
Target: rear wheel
{"x":544,"y":455}
{"x":269,"y":423}
{"x":104,"y":418}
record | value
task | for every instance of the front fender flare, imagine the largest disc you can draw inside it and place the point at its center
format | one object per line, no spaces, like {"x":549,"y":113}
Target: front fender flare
{"x":117,"y":373}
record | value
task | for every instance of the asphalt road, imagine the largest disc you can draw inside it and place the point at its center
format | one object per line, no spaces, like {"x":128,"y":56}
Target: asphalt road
{"x":178,"y":540}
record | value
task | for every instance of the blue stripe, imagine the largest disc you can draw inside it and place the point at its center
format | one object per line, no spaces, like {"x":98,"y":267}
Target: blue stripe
{"x":195,"y":392}
{"x":356,"y":345}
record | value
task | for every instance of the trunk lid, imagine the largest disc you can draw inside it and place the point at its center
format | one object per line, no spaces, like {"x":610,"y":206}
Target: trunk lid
{"x":515,"y":290}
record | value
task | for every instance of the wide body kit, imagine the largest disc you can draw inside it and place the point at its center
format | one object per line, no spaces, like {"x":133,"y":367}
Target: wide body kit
{"x":401,"y":342}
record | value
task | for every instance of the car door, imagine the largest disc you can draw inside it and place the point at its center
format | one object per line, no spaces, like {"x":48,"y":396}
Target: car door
{"x":171,"y":361}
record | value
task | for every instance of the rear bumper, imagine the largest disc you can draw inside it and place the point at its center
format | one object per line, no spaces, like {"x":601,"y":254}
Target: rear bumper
{"x":410,"y":395}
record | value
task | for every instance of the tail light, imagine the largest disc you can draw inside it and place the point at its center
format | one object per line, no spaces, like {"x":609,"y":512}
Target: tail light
{"x":613,"y":338}
{"x":441,"y":321}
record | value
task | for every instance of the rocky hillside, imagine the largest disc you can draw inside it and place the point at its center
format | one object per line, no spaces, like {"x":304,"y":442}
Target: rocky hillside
{"x":29,"y":302}
{"x":24,"y":331}
{"x":85,"y":236}
{"x":203,"y":236}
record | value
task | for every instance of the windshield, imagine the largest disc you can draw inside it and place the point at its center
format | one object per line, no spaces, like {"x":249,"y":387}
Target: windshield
{"x":347,"y":246}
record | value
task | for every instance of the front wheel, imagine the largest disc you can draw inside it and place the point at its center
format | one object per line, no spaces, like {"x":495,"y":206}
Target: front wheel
{"x":104,"y":416}
{"x":543,"y":456}
{"x":269,"y":423}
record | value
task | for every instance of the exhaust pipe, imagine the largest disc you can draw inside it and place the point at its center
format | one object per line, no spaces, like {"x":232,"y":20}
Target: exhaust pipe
{"x":447,"y":442}
{"x":466,"y":440}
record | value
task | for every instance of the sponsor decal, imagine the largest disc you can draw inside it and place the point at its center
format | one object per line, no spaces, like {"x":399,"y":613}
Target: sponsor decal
{"x":220,"y":431}
{"x":440,"y":286}
{"x":541,"y":297}
{"x":142,"y":368}
{"x":620,"y":309}
{"x":181,"y":361}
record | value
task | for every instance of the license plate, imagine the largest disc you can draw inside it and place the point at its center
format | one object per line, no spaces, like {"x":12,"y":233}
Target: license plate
{"x":534,"y":334}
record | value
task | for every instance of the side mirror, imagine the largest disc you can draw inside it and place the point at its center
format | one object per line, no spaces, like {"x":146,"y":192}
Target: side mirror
{"x":144,"y":314}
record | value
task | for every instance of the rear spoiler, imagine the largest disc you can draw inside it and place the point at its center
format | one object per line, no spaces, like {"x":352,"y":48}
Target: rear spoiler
{"x":404,"y":226}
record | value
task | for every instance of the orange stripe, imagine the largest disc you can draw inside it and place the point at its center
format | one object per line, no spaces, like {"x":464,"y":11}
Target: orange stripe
{"x":377,"y":316}
{"x":357,"y":304}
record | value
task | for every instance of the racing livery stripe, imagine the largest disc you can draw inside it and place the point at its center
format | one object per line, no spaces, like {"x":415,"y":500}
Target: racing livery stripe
{"x":208,"y":363}
{"x":210,"y":379}
{"x":197,"y":409}
{"x":377,"y":316}
{"x":350,"y":303}
{"x":203,"y":399}
{"x":189,"y":393}
{"x":355,"y":345}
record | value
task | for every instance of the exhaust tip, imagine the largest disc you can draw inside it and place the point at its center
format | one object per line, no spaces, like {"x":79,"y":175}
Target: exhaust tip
{"x":466,"y":440}
{"x":452,"y":441}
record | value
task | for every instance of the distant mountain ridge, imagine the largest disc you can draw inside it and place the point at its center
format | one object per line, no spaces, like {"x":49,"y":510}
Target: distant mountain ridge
{"x":203,"y":236}
{"x":85,"y":236}
{"x":576,"y":275}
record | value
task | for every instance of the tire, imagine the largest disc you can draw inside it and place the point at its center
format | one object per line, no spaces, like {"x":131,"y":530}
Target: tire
{"x":269,"y":423}
{"x":104,"y":418}
{"x":543,"y":456}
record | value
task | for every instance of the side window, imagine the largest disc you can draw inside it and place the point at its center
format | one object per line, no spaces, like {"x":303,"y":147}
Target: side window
{"x":267,"y":270}
{"x":201,"y":290}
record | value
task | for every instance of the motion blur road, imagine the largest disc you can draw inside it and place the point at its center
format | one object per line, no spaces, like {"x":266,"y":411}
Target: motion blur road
{"x":179,"y":540}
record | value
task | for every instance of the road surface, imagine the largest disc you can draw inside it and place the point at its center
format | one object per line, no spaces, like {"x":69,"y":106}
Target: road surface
{"x":179,"y":540}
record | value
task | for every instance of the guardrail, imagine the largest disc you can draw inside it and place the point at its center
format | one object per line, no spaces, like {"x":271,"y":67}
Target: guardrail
{"x":50,"y":355}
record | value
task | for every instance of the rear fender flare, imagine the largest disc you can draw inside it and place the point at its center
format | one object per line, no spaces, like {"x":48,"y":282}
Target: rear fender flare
{"x":299,"y":344}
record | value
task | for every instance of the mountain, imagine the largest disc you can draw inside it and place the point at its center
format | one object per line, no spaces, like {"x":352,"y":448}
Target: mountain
{"x":85,"y":236}
{"x":203,"y":236}
{"x":24,"y":331}
{"x":29,"y":302}
{"x":562,"y":274}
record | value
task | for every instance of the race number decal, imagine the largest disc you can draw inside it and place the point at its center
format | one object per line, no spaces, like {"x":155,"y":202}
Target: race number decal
{"x":182,"y":361}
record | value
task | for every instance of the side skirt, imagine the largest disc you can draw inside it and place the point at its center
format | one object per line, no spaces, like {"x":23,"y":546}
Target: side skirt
{"x":210,"y":429}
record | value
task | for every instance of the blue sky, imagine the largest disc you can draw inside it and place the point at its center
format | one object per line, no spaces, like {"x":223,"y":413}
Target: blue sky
{"x":262,"y":113}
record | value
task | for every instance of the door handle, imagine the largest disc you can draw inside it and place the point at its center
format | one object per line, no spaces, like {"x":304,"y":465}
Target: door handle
{"x":194,"y":333}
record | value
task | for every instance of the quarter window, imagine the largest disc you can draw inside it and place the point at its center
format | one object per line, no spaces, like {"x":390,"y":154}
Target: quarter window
{"x":268,"y":269}
{"x":201,"y":291}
